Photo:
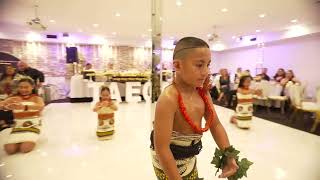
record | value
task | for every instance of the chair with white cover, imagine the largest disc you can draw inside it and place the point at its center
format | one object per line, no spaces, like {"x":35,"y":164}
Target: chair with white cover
{"x":317,"y":119}
{"x":275,"y":96}
{"x":216,"y":82}
{"x":263,"y":99}
{"x":305,"y":106}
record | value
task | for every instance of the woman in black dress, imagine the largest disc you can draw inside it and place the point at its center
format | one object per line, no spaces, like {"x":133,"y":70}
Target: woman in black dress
{"x":224,"y":82}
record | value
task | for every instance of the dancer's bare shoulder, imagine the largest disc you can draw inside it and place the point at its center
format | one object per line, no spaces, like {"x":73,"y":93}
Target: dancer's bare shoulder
{"x":169,"y":96}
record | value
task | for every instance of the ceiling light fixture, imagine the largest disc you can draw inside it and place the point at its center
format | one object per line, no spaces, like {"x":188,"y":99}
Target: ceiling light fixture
{"x":296,"y":31}
{"x":31,"y":37}
{"x":50,"y":170}
{"x":262,"y":15}
{"x":179,"y":3}
{"x":98,"y":40}
{"x":9,"y":176}
{"x":218,"y":47}
{"x":224,"y":10}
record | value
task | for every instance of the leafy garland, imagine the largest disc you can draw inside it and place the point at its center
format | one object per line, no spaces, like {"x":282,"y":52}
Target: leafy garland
{"x":220,"y":160}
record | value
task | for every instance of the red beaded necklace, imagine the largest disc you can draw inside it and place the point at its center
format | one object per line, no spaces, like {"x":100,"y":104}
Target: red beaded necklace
{"x":197,"y":129}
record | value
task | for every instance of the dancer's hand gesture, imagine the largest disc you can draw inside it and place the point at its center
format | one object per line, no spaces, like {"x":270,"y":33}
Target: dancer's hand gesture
{"x":229,"y":169}
{"x":106,"y":103}
{"x":15,"y":106}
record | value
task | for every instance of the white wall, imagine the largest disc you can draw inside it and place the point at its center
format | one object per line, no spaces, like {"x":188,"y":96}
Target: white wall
{"x":302,"y":55}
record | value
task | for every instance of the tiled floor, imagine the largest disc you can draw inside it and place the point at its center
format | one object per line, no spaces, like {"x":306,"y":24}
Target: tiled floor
{"x":68,"y":148}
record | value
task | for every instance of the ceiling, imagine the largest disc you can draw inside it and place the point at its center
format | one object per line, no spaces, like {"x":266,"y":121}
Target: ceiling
{"x":132,"y":27}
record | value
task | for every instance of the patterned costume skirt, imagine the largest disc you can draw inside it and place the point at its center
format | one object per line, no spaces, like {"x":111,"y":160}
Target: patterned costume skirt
{"x":244,"y":115}
{"x":25,"y":130}
{"x":244,"y":110}
{"x":187,"y":166}
{"x":105,"y":128}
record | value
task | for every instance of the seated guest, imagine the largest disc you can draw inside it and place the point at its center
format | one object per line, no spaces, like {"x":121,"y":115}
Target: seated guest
{"x":88,"y":69}
{"x":264,"y":75}
{"x":7,"y":88}
{"x":279,"y":75}
{"x":224,"y":82}
{"x":237,"y":75}
{"x":36,"y":75}
{"x":289,"y":78}
{"x":215,"y":82}
{"x":7,"y":85}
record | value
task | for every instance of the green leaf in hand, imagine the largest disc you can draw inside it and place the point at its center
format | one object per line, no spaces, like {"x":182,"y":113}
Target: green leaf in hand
{"x":218,"y":152}
{"x":232,"y":152}
{"x":216,"y":161}
{"x":221,"y":156}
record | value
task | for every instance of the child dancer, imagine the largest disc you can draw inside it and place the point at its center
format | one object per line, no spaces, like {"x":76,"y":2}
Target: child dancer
{"x":105,"y":109}
{"x":176,"y":139}
{"x":26,"y":109}
{"x":244,"y":109}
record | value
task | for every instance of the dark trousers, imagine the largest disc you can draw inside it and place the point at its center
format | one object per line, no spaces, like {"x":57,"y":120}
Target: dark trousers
{"x":230,"y":95}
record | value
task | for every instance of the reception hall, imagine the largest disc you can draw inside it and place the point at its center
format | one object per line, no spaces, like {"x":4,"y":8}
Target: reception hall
{"x":83,"y":86}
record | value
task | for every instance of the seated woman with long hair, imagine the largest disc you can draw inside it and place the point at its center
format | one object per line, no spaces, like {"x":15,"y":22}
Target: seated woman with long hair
{"x":224,"y":82}
{"x":281,"y":74}
{"x":290,"y":77}
{"x":7,"y":88}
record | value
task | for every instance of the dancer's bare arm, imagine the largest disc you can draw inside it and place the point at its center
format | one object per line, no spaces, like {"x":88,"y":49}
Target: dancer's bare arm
{"x":164,"y":118}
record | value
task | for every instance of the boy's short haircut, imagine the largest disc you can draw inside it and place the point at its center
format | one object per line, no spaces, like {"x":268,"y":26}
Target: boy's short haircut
{"x":188,"y":43}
